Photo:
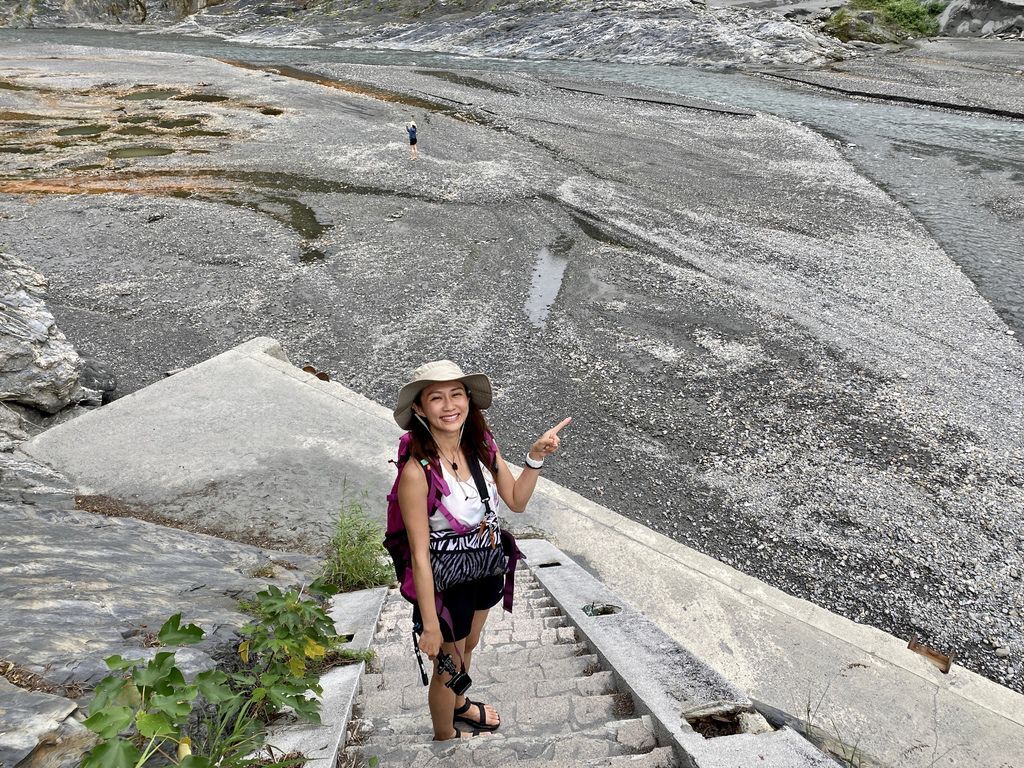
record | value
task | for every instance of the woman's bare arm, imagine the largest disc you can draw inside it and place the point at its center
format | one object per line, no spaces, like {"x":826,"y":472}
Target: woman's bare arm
{"x":516,"y":491}
{"x":412,"y":499}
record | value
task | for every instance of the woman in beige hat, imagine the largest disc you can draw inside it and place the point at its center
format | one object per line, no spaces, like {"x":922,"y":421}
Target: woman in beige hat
{"x":442,"y":408}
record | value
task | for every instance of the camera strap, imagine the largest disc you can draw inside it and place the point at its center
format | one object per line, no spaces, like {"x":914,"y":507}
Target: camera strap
{"x":417,"y":630}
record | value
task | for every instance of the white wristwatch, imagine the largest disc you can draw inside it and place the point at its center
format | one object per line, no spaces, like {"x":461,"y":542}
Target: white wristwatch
{"x":533,"y":463}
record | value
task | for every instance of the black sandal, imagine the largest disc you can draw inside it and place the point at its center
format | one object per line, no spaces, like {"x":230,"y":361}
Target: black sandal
{"x":478,"y":725}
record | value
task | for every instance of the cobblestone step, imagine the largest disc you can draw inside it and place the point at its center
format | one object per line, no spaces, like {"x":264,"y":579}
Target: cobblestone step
{"x":519,"y":717}
{"x":464,"y":756}
{"x":618,"y":737}
{"x":381,"y":701}
{"x":558,"y":706}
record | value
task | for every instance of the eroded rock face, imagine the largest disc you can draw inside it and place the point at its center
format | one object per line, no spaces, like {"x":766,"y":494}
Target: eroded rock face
{"x":38,"y":366}
{"x":971,"y":18}
{"x":39,"y":729}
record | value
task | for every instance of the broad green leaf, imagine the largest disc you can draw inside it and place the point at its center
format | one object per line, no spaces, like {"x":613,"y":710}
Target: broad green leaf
{"x":156,"y":672}
{"x":172,"y":633}
{"x":258,"y":695}
{"x":154,"y":724}
{"x":213,"y":685}
{"x":307,"y":708}
{"x":297,"y":666}
{"x":116,"y":662}
{"x":174,"y":705}
{"x":174,"y":678}
{"x":110,"y":721}
{"x":322,"y":588}
{"x":196,"y":761}
{"x":113,"y":691}
{"x":112,"y":754}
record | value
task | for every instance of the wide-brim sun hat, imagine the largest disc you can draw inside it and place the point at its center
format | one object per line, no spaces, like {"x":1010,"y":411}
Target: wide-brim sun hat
{"x":477,"y":384}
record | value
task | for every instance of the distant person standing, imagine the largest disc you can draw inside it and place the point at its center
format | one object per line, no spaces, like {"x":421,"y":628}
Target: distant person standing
{"x":411,"y":129}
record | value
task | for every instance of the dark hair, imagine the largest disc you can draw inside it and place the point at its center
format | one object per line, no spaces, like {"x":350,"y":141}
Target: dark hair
{"x":474,"y":444}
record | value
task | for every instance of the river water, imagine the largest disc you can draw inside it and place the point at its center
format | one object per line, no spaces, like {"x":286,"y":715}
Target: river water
{"x":961,"y":175}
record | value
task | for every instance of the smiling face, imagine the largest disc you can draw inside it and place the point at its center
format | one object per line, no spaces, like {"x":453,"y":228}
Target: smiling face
{"x":445,"y":406}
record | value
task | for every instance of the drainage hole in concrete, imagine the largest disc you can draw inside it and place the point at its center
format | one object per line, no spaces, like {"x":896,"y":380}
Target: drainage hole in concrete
{"x":549,"y":565}
{"x":600,"y":609}
{"x":713,"y":726}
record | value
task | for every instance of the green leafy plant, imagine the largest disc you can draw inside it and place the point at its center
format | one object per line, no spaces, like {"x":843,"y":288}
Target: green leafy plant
{"x":900,"y":18}
{"x":281,"y":649}
{"x":355,"y":556}
{"x":229,"y":734}
{"x":143,"y":709}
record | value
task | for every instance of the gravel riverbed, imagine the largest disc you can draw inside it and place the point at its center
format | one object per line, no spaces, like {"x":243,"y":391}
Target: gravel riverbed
{"x":765,"y":356}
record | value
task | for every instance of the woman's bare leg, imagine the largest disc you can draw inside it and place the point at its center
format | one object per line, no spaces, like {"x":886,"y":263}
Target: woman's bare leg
{"x":471,"y":642}
{"x":441,"y":699}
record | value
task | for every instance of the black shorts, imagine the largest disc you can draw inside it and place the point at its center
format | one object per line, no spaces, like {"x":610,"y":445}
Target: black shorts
{"x":412,"y":142}
{"x":462,"y":601}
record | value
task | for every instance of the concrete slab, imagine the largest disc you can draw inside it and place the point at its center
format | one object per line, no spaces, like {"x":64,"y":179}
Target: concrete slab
{"x":243,"y":445}
{"x":245,"y":422}
{"x":356,"y":613}
{"x":666,"y":680}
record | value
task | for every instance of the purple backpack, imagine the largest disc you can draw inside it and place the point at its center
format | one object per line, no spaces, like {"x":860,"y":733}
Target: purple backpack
{"x":396,"y":542}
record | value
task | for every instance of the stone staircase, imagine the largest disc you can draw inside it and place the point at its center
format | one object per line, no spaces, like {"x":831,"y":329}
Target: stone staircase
{"x":558,"y":706}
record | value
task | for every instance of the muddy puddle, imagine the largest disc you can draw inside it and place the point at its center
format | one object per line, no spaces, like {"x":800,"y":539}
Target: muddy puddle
{"x":151,"y":94}
{"x":178,"y":122}
{"x":206,"y":98}
{"x":122,"y":153}
{"x":546,"y":280}
{"x":83,"y":130}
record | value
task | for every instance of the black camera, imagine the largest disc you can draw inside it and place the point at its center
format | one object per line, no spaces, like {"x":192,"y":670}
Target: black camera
{"x":460,"y":680}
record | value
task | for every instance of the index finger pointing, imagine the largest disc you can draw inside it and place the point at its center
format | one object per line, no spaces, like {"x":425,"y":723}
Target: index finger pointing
{"x":563,"y":423}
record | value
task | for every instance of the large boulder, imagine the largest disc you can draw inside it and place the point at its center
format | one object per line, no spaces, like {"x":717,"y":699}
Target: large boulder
{"x":38,"y":365}
{"x":972,"y":18}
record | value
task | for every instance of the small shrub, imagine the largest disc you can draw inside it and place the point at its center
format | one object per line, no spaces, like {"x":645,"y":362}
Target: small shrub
{"x":281,"y":651}
{"x":893,"y":19}
{"x":355,"y":556}
{"x":263,"y":571}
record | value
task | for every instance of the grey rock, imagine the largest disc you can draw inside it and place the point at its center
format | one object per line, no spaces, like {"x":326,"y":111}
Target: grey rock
{"x":38,"y":366}
{"x":1002,"y":652}
{"x":27,"y":718}
{"x":636,"y":31}
{"x":97,"y":377}
{"x":969,"y":18}
{"x":80,"y":587}
{"x":63,"y":747}
{"x":753,"y":722}
{"x":12,"y":428}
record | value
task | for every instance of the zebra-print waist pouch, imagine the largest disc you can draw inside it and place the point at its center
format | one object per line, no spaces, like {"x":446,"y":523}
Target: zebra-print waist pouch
{"x":458,"y":558}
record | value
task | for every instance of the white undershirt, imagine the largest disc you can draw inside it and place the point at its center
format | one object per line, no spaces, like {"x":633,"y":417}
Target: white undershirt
{"x":467,"y":511}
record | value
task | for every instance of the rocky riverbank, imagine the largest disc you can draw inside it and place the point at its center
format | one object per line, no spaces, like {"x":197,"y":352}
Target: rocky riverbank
{"x":640,"y":31}
{"x":767,"y":358}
